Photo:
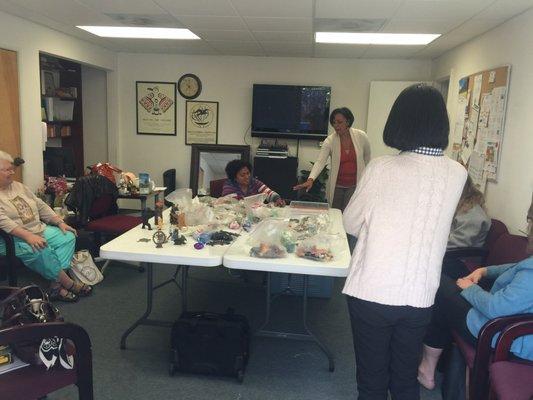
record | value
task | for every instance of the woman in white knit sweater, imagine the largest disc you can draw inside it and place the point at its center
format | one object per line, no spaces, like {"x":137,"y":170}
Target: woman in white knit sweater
{"x":401,"y":214}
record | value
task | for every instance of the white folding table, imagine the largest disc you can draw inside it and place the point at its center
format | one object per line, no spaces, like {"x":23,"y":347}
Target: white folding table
{"x":127,"y":247}
{"x":236,"y":257}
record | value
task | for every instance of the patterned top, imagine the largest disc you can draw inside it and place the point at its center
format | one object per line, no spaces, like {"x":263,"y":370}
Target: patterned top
{"x":19,"y":207}
{"x":232,"y":188}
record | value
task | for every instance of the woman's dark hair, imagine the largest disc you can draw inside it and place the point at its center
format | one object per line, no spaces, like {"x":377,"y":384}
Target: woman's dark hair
{"x":345,"y":112}
{"x":234,"y":166}
{"x":418,"y":118}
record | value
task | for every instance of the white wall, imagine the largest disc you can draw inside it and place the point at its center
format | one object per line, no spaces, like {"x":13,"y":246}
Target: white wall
{"x":229,"y":80}
{"x":94,"y":106}
{"x":510,"y":43}
{"x":27,"y":39}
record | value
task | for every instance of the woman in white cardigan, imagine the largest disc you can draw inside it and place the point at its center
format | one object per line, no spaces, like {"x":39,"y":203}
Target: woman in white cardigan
{"x":349,"y":150}
{"x":401,"y":214}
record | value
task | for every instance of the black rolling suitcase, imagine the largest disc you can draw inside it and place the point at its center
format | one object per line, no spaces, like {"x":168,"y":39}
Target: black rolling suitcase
{"x":209,"y":343}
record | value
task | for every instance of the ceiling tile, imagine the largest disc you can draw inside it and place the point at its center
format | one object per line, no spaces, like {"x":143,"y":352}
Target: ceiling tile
{"x":339,"y":50}
{"x":273,"y":36}
{"x":288,"y":49}
{"x":237,"y":36}
{"x":420,"y":26}
{"x":123,"y":6}
{"x":212,"y":23}
{"x":505,"y":9}
{"x":392,"y":51}
{"x":356,"y":8}
{"x":279,"y":24}
{"x":221,"y":8}
{"x":66,"y":11}
{"x":441,"y":9}
{"x":274,"y":8}
{"x":163,"y":46}
{"x":239,"y":48}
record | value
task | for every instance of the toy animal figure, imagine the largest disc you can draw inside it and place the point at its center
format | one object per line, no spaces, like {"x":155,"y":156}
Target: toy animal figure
{"x":146,"y":214}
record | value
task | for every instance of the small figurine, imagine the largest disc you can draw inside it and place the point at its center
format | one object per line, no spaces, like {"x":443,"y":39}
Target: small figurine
{"x":174,"y":211}
{"x":146,"y":214}
{"x":159,"y":211}
{"x":159,"y":238}
{"x":181,"y":220}
{"x":177,"y":238}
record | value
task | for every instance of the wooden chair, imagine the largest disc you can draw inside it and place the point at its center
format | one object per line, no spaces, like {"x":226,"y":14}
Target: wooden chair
{"x":35,"y":381}
{"x":511,"y":379}
{"x":506,"y":249}
{"x":10,"y":262}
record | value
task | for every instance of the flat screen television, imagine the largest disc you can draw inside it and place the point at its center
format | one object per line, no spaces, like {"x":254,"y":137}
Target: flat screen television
{"x":287,"y":111}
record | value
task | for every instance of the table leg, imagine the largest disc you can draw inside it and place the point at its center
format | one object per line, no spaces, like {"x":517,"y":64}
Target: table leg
{"x":306,"y":336}
{"x":184,"y":273}
{"x":144,"y":320}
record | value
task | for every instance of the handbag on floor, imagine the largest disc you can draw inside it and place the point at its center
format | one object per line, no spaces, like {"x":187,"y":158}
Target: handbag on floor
{"x":84,"y":270}
{"x":209,"y":343}
{"x":28,"y":305}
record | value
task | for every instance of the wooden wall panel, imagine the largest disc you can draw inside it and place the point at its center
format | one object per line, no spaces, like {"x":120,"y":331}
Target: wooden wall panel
{"x":9,"y":106}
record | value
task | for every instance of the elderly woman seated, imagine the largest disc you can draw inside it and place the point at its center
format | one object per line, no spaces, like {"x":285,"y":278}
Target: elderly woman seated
{"x":43,"y":241}
{"x":241,"y":183}
{"x":465,"y":307}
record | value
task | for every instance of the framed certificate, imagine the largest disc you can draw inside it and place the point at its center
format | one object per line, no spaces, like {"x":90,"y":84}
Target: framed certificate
{"x":201,"y":122}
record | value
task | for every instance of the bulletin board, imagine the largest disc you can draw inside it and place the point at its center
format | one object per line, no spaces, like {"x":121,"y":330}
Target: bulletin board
{"x":480,"y":122}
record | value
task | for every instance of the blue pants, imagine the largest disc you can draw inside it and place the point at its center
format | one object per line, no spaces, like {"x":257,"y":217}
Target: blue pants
{"x":50,"y":261}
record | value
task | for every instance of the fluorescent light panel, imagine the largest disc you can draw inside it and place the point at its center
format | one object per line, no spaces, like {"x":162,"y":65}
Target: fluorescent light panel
{"x":412,"y":39}
{"x":139,"y":32}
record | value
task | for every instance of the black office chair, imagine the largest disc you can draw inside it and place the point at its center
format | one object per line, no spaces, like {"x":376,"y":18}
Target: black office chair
{"x":169,"y":180}
{"x":10,"y":262}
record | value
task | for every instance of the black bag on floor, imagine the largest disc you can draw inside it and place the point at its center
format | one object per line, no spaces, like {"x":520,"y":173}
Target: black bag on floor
{"x":209,"y":343}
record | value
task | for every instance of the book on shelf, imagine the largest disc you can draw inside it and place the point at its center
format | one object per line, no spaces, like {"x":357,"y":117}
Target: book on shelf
{"x":58,"y":110}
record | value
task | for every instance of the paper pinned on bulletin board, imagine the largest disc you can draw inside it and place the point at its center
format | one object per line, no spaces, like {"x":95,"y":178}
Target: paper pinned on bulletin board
{"x":480,"y":120}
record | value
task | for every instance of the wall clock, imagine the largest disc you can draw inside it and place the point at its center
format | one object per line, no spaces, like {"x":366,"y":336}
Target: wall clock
{"x":189,"y":86}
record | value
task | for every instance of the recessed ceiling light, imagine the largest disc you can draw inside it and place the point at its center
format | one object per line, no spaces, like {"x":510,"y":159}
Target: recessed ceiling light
{"x":139,"y":33}
{"x":375,"y":38}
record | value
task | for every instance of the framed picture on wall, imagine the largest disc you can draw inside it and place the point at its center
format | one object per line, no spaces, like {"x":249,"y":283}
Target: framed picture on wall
{"x":201,"y":122}
{"x":156,"y":108}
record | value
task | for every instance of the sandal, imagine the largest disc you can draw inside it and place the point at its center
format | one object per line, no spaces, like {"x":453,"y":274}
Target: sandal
{"x":80,"y":289}
{"x":54,"y":294}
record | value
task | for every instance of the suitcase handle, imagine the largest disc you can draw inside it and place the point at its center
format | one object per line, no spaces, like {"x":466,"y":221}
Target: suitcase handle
{"x":209,"y":316}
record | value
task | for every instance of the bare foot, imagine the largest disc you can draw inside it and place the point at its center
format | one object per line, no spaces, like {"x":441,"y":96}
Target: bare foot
{"x":425,"y":380}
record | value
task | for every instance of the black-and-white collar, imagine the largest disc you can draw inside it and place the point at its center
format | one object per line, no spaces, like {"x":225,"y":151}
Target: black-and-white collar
{"x":428,"y":151}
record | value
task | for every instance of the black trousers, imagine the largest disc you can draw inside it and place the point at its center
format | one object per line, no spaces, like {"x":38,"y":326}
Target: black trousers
{"x":388,"y":343}
{"x":449,"y":313}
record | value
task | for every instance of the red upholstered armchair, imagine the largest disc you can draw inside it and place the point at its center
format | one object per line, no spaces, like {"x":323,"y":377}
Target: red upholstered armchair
{"x":34,"y":381}
{"x":215,"y":187}
{"x":506,"y":249}
{"x":475,"y":256}
{"x":512,"y":379}
{"x":93,"y":197}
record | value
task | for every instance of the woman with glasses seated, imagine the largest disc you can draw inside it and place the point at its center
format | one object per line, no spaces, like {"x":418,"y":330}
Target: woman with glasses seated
{"x":43,"y":241}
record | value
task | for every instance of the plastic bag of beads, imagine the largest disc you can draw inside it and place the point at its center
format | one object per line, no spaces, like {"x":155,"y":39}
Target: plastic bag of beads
{"x":265,"y":240}
{"x":320,"y":247}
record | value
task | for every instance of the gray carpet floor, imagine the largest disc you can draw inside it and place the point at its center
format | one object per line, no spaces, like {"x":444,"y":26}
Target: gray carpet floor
{"x":278,"y":368}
